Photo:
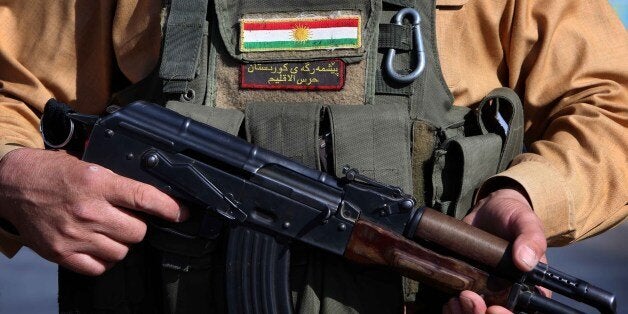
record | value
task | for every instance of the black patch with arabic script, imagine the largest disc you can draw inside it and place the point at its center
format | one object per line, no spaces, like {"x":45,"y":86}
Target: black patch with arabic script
{"x":311,"y":75}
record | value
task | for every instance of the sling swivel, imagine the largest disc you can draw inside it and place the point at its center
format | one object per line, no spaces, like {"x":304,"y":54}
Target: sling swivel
{"x":389,"y":69}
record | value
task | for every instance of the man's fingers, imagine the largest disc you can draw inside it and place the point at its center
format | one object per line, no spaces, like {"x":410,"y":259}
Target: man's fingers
{"x":526,"y":254}
{"x":470,"y":217}
{"x":497,"y":310}
{"x":471,"y":302}
{"x":142,"y":197}
{"x":530,"y":245}
{"x":121,"y":225}
{"x":544,"y":291}
{"x":508,"y":214}
{"x":85,"y":264}
{"x":104,"y":248}
{"x":452,"y":307}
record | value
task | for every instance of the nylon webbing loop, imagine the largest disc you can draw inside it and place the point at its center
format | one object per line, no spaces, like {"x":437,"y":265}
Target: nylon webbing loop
{"x":398,"y":37}
{"x":504,"y":103}
{"x":183,"y":37}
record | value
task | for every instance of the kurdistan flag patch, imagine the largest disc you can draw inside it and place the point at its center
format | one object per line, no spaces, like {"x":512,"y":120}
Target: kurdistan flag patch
{"x":311,"y":33}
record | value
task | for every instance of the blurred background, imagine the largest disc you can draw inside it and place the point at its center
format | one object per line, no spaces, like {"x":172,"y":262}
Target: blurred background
{"x":621,"y":6}
{"x":28,"y":283}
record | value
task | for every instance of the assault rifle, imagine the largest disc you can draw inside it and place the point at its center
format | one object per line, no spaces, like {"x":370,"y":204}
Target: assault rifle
{"x":270,"y":200}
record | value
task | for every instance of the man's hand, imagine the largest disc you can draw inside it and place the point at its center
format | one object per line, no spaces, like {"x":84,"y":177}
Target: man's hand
{"x":80,"y":215}
{"x":508,"y":214}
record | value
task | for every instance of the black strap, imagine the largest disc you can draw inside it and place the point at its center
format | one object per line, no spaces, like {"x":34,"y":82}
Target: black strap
{"x":61,"y":132}
{"x":398,"y":37}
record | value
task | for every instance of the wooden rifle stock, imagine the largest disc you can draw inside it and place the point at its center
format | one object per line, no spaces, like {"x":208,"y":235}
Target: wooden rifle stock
{"x":372,"y":244}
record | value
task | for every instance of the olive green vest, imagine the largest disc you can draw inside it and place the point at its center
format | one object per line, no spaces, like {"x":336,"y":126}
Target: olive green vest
{"x":326,"y":105}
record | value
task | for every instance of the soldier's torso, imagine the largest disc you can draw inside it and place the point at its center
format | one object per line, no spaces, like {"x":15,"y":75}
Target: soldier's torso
{"x":315,"y":81}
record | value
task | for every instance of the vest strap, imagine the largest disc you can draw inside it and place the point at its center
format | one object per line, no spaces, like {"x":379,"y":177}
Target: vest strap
{"x":183,"y":36}
{"x":398,"y":37}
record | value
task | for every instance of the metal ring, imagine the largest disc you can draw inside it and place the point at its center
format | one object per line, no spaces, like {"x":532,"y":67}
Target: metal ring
{"x":189,"y":95}
{"x":55,"y":146}
{"x":389,"y":69}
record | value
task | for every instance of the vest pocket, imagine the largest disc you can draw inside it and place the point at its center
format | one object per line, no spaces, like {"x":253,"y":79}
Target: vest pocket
{"x":373,"y":139}
{"x":228,"y":120}
{"x":480,"y":146}
{"x":286,"y":128}
{"x":460,"y":165}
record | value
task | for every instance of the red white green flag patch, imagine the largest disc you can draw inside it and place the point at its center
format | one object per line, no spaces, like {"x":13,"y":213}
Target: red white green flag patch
{"x":313,"y":33}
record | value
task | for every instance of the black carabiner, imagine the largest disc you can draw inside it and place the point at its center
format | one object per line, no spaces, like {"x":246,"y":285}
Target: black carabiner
{"x":415,"y":19}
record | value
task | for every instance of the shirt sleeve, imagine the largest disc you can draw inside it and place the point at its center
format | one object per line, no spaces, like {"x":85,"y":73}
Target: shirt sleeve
{"x":570,"y":61}
{"x":21,"y":95}
{"x":58,"y":49}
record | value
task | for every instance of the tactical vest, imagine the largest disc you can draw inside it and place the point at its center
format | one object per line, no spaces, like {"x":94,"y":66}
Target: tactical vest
{"x":315,"y":81}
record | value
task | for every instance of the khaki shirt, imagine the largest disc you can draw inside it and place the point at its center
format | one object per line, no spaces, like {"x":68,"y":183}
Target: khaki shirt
{"x":567,"y":59}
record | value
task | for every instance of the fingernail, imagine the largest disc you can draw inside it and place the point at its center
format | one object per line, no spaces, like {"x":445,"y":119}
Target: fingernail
{"x":528,"y":256}
{"x":184,"y":213}
{"x":467,"y":304}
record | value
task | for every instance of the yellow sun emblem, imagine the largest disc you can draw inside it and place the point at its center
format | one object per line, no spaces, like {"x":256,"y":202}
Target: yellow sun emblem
{"x":301,"y":33}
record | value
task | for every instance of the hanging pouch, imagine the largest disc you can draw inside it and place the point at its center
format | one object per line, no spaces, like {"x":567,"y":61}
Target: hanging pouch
{"x":375,"y":140}
{"x":462,"y":163}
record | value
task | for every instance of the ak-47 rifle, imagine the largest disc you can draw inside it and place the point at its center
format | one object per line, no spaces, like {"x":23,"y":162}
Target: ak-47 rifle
{"x":270,"y":201}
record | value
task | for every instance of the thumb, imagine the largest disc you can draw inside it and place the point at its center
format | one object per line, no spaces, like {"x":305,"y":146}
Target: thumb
{"x":530,"y":244}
